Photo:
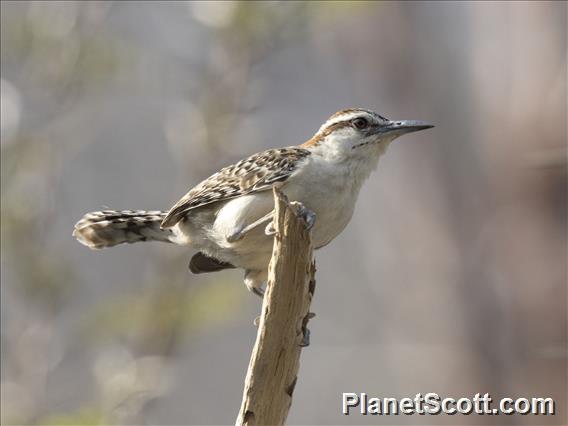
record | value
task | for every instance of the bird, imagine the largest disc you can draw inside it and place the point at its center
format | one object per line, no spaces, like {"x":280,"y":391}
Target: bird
{"x":227,"y":217}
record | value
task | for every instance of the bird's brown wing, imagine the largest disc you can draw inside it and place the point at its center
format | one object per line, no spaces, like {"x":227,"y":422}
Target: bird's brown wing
{"x":256,"y":173}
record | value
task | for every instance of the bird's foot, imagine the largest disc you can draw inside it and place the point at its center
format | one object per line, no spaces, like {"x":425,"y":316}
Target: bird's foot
{"x":305,"y":213}
{"x":269,"y":230}
{"x":302,"y":211}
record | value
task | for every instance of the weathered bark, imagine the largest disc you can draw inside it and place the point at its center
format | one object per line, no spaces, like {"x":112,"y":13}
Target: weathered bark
{"x":275,"y":359}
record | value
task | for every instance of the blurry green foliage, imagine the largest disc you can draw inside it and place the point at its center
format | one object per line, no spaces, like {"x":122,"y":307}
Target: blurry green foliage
{"x":150,"y":314}
{"x":86,"y":416}
{"x":77,"y":57}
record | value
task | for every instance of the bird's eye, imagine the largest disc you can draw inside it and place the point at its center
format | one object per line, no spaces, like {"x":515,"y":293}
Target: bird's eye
{"x":360,"y":123}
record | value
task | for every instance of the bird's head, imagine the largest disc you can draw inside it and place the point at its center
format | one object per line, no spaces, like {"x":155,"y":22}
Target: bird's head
{"x":358,"y":132}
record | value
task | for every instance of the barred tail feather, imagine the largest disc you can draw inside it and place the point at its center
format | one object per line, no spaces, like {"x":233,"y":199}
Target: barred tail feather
{"x":108,"y":228}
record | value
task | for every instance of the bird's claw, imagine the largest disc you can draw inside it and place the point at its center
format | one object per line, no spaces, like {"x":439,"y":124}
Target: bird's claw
{"x":269,"y":230}
{"x":305,"y":213}
{"x":258,"y":291}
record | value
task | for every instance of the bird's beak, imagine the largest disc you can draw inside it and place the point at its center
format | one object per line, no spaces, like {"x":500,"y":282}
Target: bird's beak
{"x":398,"y":128}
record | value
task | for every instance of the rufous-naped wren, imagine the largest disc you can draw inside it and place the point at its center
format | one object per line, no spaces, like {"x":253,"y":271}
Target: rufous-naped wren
{"x":227,"y":217}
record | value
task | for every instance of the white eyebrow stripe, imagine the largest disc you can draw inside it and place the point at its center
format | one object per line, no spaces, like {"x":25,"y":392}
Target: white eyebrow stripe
{"x":342,"y":117}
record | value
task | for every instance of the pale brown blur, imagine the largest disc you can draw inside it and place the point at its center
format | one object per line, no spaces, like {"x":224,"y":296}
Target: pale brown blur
{"x":451,"y":277}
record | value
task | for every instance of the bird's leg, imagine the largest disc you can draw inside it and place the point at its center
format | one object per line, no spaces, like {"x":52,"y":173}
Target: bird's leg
{"x":253,"y":282}
{"x":260,"y":293}
{"x":239,"y":233}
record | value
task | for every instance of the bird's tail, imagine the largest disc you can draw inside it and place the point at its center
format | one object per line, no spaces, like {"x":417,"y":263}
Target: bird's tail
{"x":108,"y":228}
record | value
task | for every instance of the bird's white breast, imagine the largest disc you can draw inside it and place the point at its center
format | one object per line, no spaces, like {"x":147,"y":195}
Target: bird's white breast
{"x":330,"y":191}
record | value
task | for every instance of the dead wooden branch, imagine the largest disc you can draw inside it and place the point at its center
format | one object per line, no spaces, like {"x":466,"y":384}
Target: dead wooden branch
{"x":275,"y":359}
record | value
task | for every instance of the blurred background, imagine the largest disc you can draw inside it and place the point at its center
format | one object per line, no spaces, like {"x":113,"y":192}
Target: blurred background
{"x":451,"y":278}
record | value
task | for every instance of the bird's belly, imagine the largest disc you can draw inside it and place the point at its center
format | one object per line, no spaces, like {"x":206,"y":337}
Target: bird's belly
{"x":333,"y":203}
{"x":332,"y":216}
{"x":325,"y":232}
